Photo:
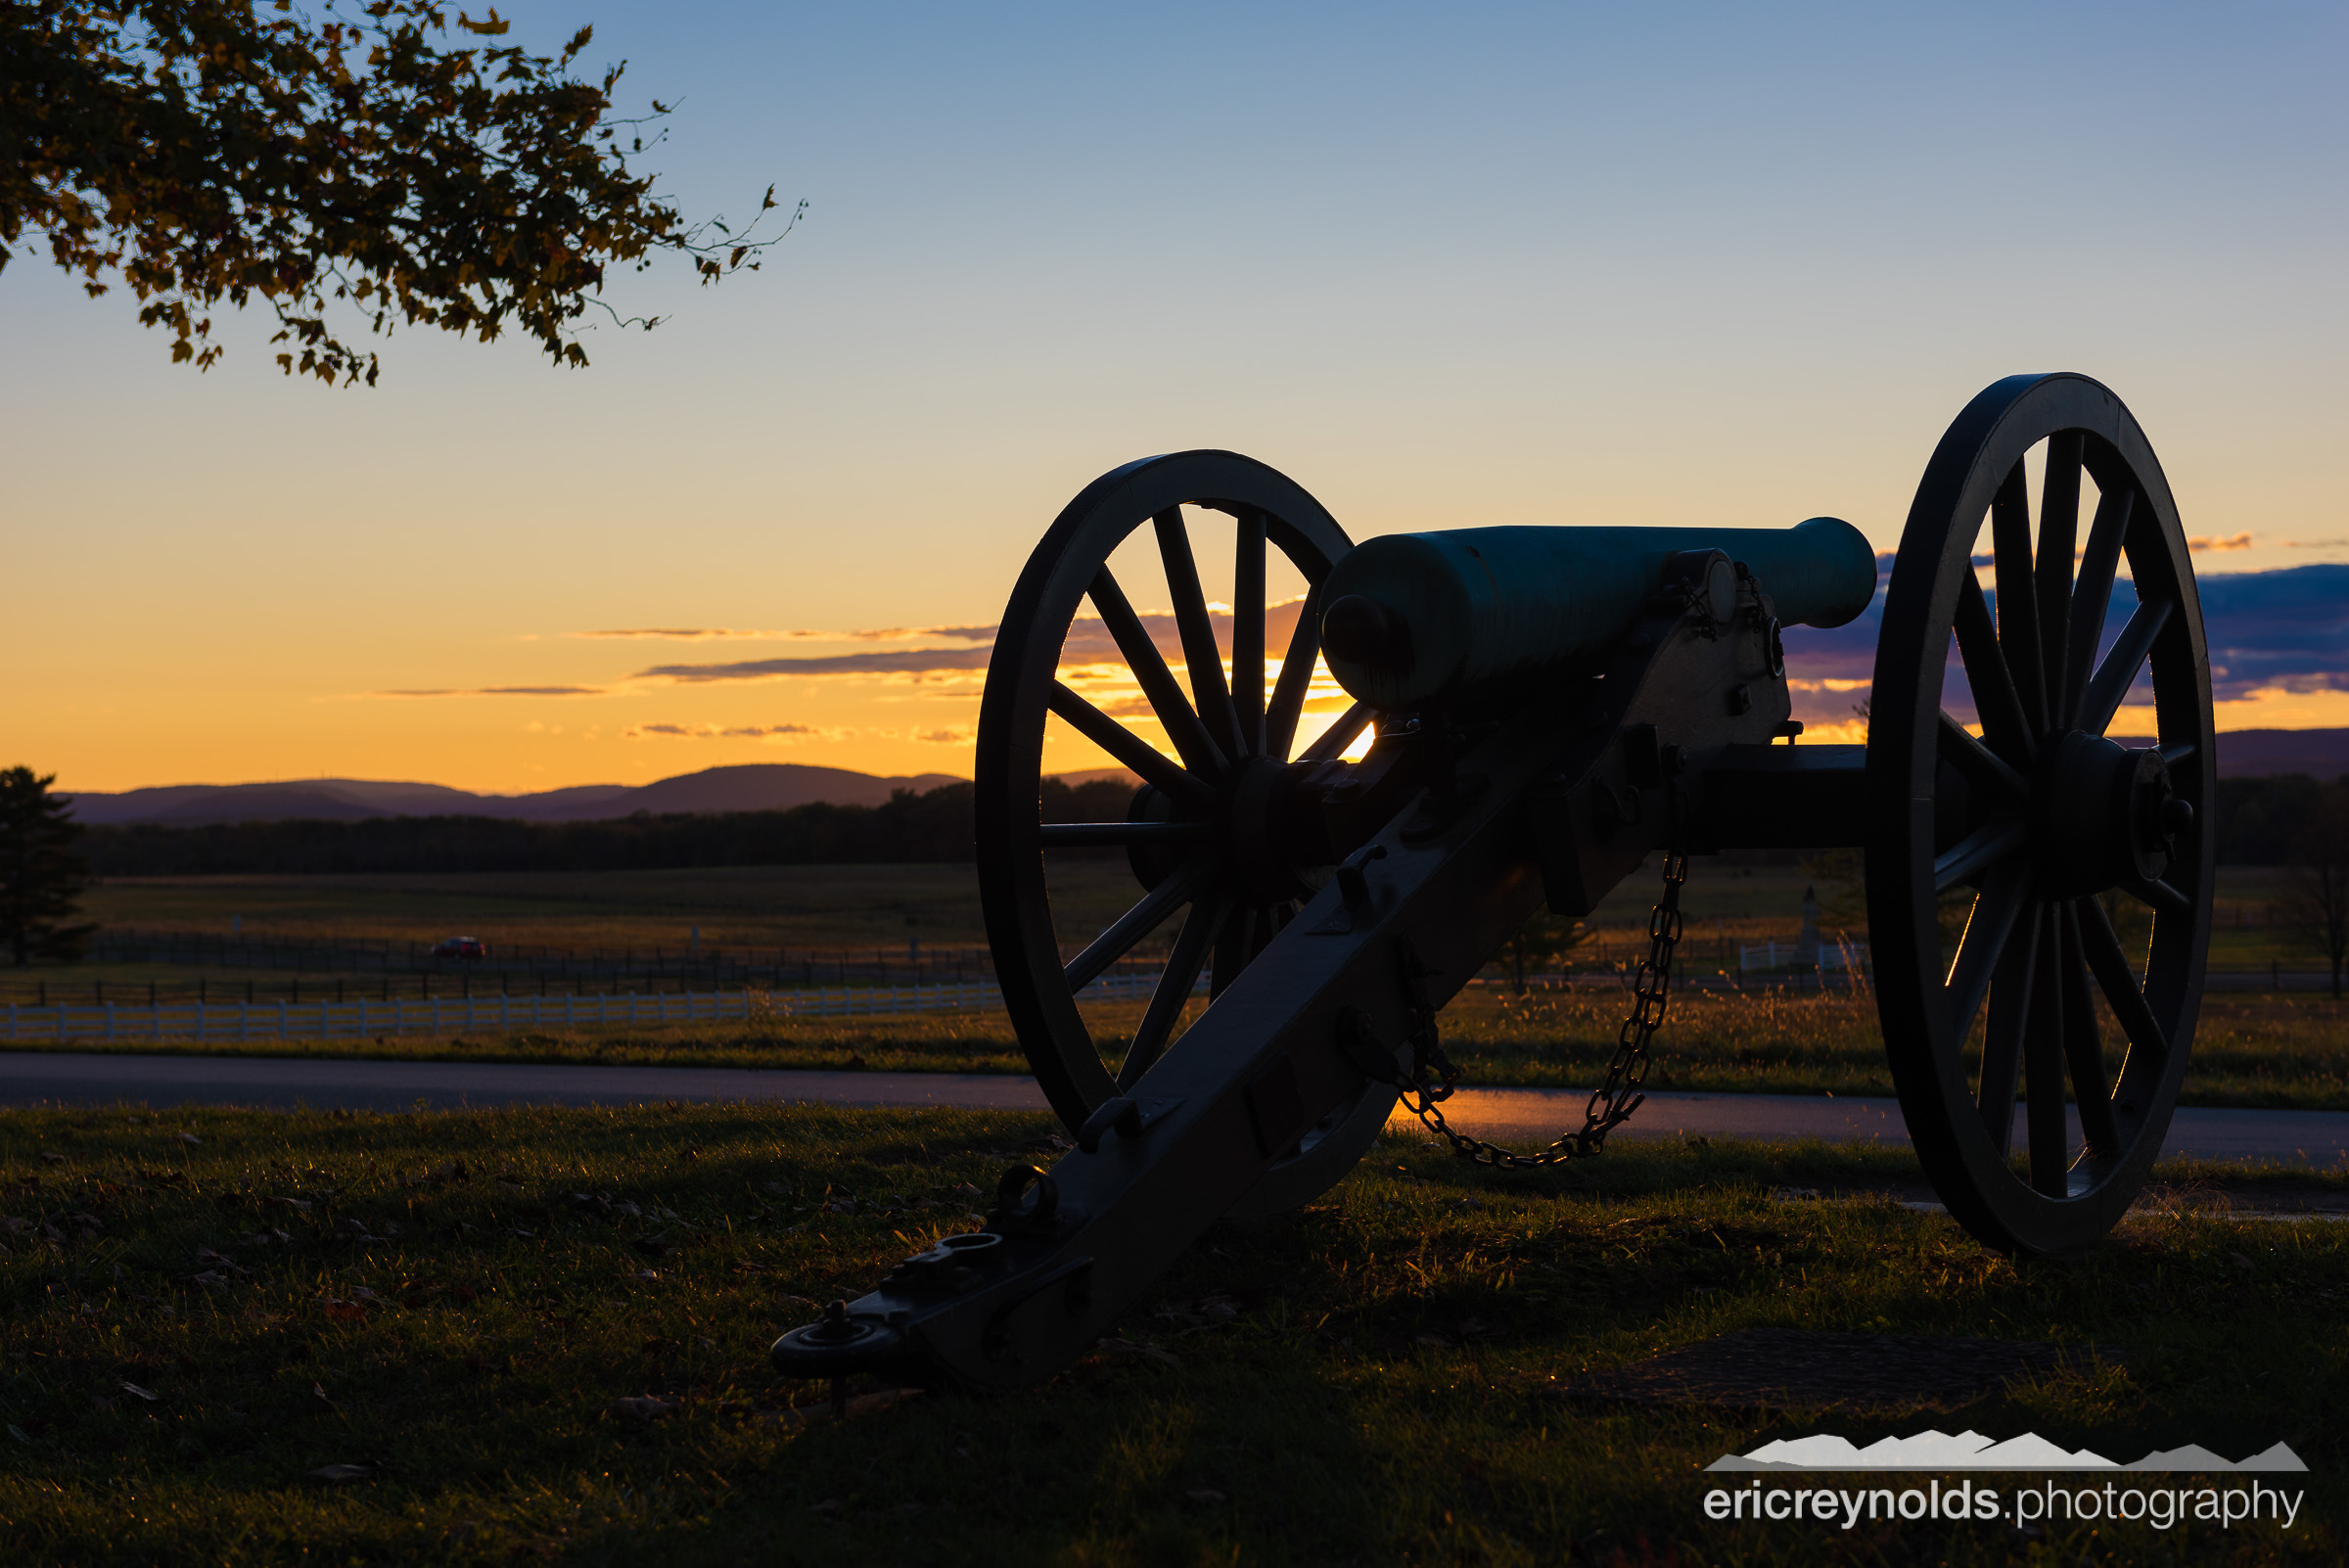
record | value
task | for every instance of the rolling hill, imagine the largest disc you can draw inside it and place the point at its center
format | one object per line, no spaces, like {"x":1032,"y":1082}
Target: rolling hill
{"x":758,"y":787}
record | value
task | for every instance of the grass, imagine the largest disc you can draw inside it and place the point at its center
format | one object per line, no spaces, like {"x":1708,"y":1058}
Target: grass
{"x":2252,"y":1048}
{"x":859,"y":908}
{"x":205,"y":1308}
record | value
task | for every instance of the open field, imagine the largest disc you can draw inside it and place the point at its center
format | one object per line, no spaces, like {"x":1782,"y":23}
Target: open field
{"x":205,"y":1309}
{"x":2253,"y":1048}
{"x":862,"y":908}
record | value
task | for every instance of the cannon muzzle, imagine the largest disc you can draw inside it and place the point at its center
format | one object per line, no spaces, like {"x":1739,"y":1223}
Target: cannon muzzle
{"x":1413,"y":621}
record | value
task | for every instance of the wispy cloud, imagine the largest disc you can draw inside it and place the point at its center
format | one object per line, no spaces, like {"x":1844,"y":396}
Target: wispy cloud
{"x":792,"y":634}
{"x":492,"y":691}
{"x":732,"y":731}
{"x":905,"y":661}
{"x":2316,"y":544}
{"x":2209,"y":541}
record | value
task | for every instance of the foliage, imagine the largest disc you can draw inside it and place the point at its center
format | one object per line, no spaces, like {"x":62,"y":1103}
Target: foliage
{"x":1542,"y":943}
{"x":207,"y":151}
{"x":199,"y":1325}
{"x":2320,"y":896}
{"x":41,"y":876}
{"x":932,"y":826}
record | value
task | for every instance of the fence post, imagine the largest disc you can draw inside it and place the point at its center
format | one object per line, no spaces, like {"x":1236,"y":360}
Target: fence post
{"x":281,"y":1018}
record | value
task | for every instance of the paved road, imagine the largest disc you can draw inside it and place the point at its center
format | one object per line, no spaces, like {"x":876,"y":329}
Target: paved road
{"x":2319,"y":1140}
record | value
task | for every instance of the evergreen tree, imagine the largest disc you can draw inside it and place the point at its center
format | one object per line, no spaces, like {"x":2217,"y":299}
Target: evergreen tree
{"x":42,"y":878}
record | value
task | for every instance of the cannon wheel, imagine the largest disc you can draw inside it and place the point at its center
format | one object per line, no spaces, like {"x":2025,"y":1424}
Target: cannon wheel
{"x":1203,"y":833}
{"x":2039,"y":817}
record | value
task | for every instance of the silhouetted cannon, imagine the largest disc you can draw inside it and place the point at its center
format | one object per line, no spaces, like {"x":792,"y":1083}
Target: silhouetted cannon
{"x":1546,"y":708}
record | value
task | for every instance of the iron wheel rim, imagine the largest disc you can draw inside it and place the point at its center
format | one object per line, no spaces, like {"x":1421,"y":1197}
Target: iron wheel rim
{"x":2037,"y":952}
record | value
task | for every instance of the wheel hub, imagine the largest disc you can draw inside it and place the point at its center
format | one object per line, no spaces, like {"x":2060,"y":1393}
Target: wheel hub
{"x":2106,"y":816}
{"x":1262,"y":838}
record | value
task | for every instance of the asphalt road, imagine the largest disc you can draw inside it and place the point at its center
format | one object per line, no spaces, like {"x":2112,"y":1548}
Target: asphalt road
{"x":2315,"y":1139}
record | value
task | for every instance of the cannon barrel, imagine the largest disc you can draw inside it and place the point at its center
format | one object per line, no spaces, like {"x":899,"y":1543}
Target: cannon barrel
{"x":1411,"y":620}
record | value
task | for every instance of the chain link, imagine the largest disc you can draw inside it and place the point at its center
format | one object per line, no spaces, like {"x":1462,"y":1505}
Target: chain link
{"x":1433,"y":1075}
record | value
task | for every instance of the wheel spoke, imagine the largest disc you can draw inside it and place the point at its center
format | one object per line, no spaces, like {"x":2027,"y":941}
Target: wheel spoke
{"x":1981,"y":767}
{"x":1265,"y":926}
{"x":2110,"y":684}
{"x":2083,"y":1050}
{"x":2004,"y":896}
{"x":1174,"y":990}
{"x":1231,"y":954}
{"x":1339,"y":735}
{"x":1296,"y":675}
{"x":1199,"y":650}
{"x":2005,"y":727}
{"x":2044,"y":1120}
{"x":2018,"y":607}
{"x":2093,"y":597}
{"x":1199,"y":751}
{"x":1248,"y":630}
{"x":1098,"y":835}
{"x":2002,"y":1031}
{"x":1145,"y":760}
{"x":1984,"y":846}
{"x":1135,"y":924}
{"x":2058,"y":533}
{"x":2116,"y":976}
{"x":2161,"y":895}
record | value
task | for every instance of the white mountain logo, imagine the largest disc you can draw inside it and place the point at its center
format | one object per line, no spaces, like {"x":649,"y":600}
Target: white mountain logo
{"x":1971,"y":1451}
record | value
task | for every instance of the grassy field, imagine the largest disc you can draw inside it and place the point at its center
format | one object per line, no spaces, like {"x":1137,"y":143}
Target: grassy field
{"x":209,"y":1312}
{"x":2253,"y":1048}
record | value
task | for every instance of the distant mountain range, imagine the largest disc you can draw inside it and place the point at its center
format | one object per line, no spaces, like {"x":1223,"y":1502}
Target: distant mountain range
{"x":780,"y":786}
{"x":759,"y":787}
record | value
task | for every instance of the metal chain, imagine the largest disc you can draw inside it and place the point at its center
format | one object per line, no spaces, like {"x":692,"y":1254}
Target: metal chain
{"x":1611,"y":1103}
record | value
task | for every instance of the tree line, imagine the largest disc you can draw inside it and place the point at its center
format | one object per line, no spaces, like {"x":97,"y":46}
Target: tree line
{"x":934,"y":826}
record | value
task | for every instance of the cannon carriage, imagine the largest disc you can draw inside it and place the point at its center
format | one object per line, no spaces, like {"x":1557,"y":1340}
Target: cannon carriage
{"x":1546,"y":709}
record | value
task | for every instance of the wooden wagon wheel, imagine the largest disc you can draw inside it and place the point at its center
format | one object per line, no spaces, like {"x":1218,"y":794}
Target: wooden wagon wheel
{"x":2039,"y":816}
{"x":1205,"y":834}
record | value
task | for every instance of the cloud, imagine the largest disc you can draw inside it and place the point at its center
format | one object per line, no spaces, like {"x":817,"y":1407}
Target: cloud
{"x":2231,"y":542}
{"x":907,"y":661}
{"x":741,"y":634}
{"x":494,"y":691}
{"x":1087,"y":642}
{"x":2282,"y":630}
{"x":731,"y":731}
{"x":2316,"y":544}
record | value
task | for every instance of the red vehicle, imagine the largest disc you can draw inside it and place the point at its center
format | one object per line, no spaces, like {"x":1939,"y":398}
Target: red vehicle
{"x":462,"y":948}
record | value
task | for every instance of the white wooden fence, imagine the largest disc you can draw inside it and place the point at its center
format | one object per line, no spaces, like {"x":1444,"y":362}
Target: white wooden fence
{"x":446,"y":1015}
{"x":1831,"y":955}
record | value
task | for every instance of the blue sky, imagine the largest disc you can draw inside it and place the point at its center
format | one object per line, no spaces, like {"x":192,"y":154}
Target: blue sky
{"x":1445,"y":266}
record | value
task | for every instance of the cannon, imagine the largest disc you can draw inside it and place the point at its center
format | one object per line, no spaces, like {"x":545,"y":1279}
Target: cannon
{"x":1546,"y":709}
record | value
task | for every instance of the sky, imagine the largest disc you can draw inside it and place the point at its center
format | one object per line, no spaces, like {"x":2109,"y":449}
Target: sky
{"x":1445,"y":266}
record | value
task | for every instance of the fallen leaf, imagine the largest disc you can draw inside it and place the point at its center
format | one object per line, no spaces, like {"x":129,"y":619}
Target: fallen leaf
{"x":138,"y":1393}
{"x":344,"y":1312}
{"x":189,"y":1137}
{"x":210,"y":1280}
{"x":52,"y":1159}
{"x":2239,"y":1261}
{"x":1206,"y":1495}
{"x":336,"y":1474}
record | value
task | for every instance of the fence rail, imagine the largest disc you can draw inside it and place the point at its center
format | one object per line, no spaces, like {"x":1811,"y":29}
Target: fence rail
{"x":325,"y":1020}
{"x":1851,"y":955}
